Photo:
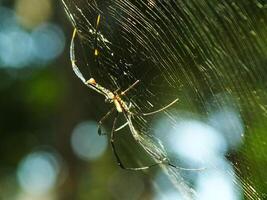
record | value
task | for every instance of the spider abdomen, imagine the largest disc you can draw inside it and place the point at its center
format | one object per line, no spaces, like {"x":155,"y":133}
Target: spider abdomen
{"x":118,"y":105}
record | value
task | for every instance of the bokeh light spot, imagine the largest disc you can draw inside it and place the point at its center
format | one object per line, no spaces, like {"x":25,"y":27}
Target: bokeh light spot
{"x":229,"y":123}
{"x":15,"y":47}
{"x":32,"y":13}
{"x":164,"y":188}
{"x":196,"y":141}
{"x":19,"y":48}
{"x":7,"y":18}
{"x":215,"y":184}
{"x":85,"y":141}
{"x":167,"y":195}
{"x":38,"y":172}
{"x":49,"y":42}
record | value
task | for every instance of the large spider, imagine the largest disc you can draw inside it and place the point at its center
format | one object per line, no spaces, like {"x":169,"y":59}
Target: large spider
{"x":120,"y":106}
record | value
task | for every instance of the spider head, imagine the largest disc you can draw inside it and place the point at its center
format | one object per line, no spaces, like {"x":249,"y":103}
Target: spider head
{"x":91,"y":81}
{"x":109,"y":97}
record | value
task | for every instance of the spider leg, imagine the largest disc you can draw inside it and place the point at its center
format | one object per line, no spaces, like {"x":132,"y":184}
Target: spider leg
{"x":185,"y":169}
{"x":125,"y":91}
{"x":112,"y":140}
{"x":121,"y":127}
{"x":164,"y":160}
{"x":159,"y":110}
{"x":73,"y":59}
{"x":129,"y":88}
{"x":96,"y":34}
{"x":102,"y":120}
{"x":116,"y":91}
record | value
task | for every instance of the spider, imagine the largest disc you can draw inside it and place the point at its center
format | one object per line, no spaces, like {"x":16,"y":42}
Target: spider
{"x":120,"y":107}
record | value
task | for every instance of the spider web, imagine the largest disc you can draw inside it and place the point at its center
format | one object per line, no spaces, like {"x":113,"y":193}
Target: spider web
{"x":209,"y":54}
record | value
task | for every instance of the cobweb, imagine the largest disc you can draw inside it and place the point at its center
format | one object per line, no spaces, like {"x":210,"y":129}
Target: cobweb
{"x":210,"y":54}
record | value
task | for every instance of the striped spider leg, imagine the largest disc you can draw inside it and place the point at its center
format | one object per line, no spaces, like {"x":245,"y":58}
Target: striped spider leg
{"x":120,"y":106}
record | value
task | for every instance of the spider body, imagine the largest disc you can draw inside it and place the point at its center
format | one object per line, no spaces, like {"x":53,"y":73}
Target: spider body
{"x":120,"y":105}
